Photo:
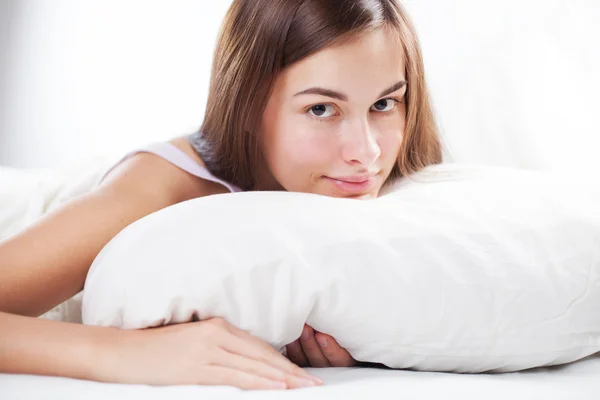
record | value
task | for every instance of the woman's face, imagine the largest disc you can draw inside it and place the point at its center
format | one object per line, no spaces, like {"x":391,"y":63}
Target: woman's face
{"x":334,"y":122}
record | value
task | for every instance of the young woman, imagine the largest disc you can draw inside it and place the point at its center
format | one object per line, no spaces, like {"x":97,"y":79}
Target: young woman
{"x":326,"y":97}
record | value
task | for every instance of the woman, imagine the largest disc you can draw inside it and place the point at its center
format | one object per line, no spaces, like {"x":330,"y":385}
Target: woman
{"x":326,"y":97}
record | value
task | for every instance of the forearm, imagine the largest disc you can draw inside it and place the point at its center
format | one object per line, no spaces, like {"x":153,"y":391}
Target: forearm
{"x":43,"y":347}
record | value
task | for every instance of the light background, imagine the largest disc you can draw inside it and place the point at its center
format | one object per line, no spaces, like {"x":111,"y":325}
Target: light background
{"x":513,"y":82}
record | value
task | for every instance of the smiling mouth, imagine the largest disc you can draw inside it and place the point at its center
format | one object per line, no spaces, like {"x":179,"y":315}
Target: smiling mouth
{"x":353,"y":185}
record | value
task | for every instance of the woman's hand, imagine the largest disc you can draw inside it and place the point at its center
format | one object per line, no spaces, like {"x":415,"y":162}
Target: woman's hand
{"x":210,"y":352}
{"x":316,"y":349}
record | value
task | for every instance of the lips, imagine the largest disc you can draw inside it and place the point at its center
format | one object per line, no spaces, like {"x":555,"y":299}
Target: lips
{"x":355,"y":184}
{"x":354,"y":179}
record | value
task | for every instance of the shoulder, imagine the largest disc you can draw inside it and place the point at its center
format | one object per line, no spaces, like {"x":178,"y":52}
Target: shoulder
{"x":151,"y":176}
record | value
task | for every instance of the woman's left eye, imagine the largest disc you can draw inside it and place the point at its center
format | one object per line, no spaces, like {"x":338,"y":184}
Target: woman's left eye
{"x":384,"y":105}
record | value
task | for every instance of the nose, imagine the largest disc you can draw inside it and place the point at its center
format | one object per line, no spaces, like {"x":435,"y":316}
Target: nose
{"x":360,"y":145}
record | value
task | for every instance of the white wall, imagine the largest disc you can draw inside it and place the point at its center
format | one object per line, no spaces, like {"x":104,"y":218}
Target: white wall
{"x":514,"y":82}
{"x":8,"y":19}
{"x":87,"y":77}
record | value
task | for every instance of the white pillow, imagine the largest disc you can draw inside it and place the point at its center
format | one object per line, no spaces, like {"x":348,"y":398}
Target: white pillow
{"x":462,"y":269}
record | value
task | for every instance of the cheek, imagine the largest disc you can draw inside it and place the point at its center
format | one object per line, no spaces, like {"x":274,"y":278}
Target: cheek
{"x":390,"y":141}
{"x":298,"y":148}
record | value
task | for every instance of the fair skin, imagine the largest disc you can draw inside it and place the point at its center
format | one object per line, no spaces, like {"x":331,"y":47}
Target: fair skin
{"x":47,"y":263}
{"x":337,"y":114}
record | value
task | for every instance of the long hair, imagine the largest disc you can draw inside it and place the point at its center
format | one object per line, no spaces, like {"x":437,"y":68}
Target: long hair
{"x":260,"y":38}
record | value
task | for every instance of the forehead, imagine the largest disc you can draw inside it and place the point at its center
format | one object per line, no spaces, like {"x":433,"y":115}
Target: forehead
{"x":362,"y":65}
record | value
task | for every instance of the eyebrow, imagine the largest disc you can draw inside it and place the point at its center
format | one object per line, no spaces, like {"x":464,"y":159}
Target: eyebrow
{"x":341,"y":96}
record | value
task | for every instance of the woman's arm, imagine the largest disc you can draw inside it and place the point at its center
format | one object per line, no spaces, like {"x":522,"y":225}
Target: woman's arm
{"x":47,"y":263}
{"x":210,"y":352}
{"x":43,"y":347}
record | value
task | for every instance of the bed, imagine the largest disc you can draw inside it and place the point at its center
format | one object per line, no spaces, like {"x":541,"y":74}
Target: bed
{"x":29,"y":194}
{"x":578,"y":380}
{"x":472,"y":78}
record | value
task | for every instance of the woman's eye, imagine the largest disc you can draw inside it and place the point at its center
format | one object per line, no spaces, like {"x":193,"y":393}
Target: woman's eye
{"x":384,"y":105}
{"x":322,"y":110}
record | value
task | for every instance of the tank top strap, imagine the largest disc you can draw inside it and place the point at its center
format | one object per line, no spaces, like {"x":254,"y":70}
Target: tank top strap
{"x":180,"y":159}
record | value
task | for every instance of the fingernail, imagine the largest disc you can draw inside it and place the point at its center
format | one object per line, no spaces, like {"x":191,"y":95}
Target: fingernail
{"x":322,"y":341}
{"x":278,"y":385}
{"x":302,"y":374}
{"x":306,"y":382}
{"x":305,"y":375}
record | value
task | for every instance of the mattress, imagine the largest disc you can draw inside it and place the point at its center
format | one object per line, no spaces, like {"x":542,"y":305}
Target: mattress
{"x":575,"y":381}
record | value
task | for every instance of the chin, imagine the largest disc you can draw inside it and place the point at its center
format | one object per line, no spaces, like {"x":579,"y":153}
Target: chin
{"x":358,"y":196}
{"x":366,"y":196}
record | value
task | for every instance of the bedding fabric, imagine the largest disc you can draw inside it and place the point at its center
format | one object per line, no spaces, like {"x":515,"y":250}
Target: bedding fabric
{"x":26,"y":195}
{"x":576,"y":381}
{"x":457,"y":269}
{"x":489,"y":71}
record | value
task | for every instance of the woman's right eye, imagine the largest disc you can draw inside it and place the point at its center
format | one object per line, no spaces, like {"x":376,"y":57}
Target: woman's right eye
{"x":321,"y":111}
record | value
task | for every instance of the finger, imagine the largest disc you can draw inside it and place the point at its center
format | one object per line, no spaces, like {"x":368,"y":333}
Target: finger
{"x":276,"y":358}
{"x":296,"y":355}
{"x":335,"y":354}
{"x":312,"y":350}
{"x":223,"y":376}
{"x":247,"y":348}
{"x":254,"y":367}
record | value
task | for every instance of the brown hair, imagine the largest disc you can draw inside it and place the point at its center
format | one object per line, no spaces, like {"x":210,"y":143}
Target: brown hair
{"x":259,"y":38}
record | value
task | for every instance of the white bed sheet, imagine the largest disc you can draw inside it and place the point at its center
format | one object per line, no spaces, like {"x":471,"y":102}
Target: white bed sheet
{"x":575,"y":381}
